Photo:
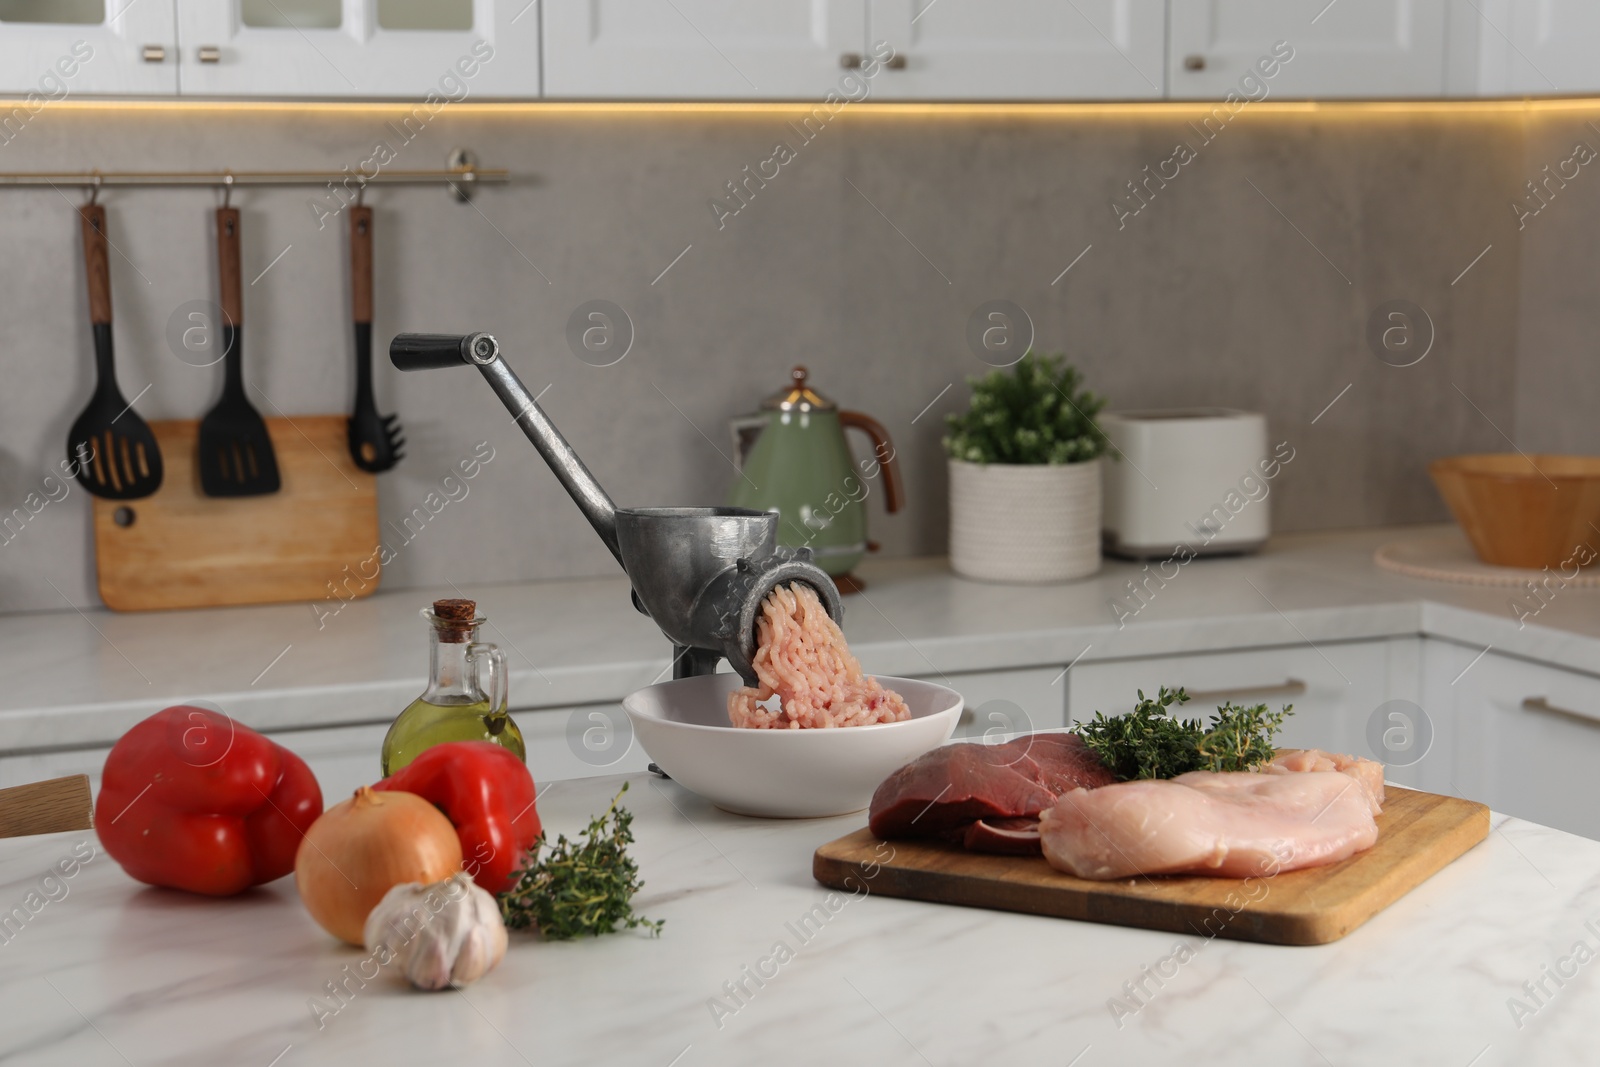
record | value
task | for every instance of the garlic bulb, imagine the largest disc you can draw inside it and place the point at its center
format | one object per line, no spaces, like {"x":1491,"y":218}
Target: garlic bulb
{"x":448,"y":933}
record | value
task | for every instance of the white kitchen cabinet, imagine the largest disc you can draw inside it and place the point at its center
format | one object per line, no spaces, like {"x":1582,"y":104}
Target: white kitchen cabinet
{"x":700,"y":49}
{"x":1335,"y":687}
{"x":1001,"y":703}
{"x":344,"y":757}
{"x":433,"y":51}
{"x":39,"y":766}
{"x":1020,"y":49}
{"x":800,"y":49}
{"x":1529,"y":740}
{"x":1539,"y":47}
{"x":1348,"y":48}
{"x":54,"y":49}
{"x":577,"y":742}
{"x":580,"y":742}
{"x":347,"y":756}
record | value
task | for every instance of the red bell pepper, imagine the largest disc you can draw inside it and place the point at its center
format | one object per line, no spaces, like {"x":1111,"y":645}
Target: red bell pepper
{"x":193,"y":800}
{"x":487,"y":794}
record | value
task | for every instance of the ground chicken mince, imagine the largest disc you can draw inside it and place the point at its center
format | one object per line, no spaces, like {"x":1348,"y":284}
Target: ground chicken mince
{"x":801,"y":657}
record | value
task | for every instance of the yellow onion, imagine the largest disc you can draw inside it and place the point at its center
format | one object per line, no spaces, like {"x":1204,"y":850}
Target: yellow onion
{"x":360,"y":849}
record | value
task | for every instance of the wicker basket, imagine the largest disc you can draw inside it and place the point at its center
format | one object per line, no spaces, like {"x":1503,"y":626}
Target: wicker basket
{"x":1024,"y":523}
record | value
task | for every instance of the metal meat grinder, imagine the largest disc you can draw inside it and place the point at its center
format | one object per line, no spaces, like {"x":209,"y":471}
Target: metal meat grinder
{"x":701,"y":574}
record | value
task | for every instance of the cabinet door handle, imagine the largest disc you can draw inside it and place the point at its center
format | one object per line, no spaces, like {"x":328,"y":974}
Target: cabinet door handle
{"x":153,"y":53}
{"x":1194,"y":62}
{"x":209,"y":53}
{"x":1291,"y":687}
{"x":1541,"y":704}
{"x":855,"y":61}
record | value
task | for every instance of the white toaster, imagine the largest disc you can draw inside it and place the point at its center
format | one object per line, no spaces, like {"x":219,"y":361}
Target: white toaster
{"x":1187,"y":481}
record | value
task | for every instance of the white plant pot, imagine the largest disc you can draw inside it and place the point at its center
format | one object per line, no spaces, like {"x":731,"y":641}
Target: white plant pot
{"x":1024,"y":523}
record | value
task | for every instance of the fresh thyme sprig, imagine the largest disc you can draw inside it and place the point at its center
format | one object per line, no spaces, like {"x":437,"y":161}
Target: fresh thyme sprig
{"x":1148,"y":742}
{"x":580,"y":888}
{"x":1240,"y":739}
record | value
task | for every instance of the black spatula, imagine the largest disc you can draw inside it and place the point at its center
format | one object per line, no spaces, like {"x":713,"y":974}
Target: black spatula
{"x":111,"y":448}
{"x":236,"y":457}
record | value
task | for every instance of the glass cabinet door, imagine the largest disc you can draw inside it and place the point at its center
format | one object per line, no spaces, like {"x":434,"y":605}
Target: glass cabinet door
{"x":452,"y":49}
{"x":53,"y":49}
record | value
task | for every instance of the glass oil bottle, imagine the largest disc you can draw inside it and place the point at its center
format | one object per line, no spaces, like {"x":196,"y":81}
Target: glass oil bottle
{"x":466,"y":698}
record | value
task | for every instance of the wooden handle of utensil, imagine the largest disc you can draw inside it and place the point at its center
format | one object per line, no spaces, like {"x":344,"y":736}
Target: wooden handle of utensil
{"x":855,"y":420}
{"x":361,"y":263}
{"x":98,"y":266}
{"x":228,"y":264}
{"x":46,"y":807}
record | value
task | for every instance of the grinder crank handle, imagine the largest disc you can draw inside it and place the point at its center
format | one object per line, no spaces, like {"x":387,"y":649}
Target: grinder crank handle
{"x":428,"y":351}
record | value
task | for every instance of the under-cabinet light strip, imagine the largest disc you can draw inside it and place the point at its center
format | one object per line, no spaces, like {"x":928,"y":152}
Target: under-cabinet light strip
{"x":870,"y":108}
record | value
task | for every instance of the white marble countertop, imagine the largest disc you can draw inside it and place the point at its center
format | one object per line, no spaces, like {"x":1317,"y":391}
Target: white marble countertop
{"x":115,"y":973}
{"x":82,"y":677}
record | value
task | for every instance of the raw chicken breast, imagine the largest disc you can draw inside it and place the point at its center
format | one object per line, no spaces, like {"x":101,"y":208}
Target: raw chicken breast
{"x":1233,"y":825}
{"x":1368,"y":772}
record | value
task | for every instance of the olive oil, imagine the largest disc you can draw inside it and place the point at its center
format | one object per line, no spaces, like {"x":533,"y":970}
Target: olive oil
{"x":423,"y":725}
{"x":457,"y":705}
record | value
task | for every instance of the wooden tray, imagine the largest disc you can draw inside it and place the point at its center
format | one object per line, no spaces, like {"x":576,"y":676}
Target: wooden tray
{"x":1418,"y":834}
{"x":184,"y":549}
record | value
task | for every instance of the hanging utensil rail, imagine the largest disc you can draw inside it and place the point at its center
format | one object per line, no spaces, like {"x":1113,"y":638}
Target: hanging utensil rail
{"x":462,"y":179}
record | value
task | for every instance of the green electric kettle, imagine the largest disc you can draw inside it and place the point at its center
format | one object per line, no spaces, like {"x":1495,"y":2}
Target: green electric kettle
{"x":793,"y":459}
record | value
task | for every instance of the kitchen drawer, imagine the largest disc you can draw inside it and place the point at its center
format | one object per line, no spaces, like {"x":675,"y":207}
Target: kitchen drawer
{"x":38,"y":766}
{"x":580,"y":742}
{"x":345,"y":757}
{"x":1006,"y":702}
{"x":1528,"y":741}
{"x":342,"y":758}
{"x":1335,"y":687}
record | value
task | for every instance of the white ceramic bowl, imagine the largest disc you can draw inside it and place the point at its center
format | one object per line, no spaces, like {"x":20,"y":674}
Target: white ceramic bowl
{"x":782,"y":774}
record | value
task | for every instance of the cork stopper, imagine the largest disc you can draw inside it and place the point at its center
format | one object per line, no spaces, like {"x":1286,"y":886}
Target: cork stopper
{"x":454,"y":619}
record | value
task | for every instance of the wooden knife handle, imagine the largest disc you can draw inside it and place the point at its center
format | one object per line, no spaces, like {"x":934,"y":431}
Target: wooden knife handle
{"x":47,"y":807}
{"x":361,"y":263}
{"x":93,"y":218}
{"x":228,"y":264}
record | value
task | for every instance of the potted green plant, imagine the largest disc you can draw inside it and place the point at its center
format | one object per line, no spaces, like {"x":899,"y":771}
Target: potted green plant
{"x":1025,"y":475}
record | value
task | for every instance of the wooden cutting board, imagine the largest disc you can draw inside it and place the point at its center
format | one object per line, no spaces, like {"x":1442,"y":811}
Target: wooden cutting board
{"x":1418,"y":835}
{"x":182,"y":549}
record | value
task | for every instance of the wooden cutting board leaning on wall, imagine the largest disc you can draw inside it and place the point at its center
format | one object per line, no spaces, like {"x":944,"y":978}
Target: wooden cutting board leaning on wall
{"x":177,"y":548}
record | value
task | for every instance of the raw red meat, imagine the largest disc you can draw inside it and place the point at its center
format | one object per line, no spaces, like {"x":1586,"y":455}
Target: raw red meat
{"x":1010,"y":837}
{"x":945,"y":793}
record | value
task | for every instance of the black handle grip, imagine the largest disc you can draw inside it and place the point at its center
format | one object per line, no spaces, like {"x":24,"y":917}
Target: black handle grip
{"x":426,"y":351}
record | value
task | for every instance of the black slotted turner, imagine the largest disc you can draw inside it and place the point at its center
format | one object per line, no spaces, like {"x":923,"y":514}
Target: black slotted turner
{"x":375,"y":439}
{"x":235,"y":452}
{"x":111,"y":448}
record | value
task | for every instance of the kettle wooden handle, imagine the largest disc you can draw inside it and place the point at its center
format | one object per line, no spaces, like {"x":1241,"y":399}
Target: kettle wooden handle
{"x":855,"y":420}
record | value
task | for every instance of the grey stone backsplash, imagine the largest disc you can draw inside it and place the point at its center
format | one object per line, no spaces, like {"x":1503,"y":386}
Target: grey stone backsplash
{"x":1248,"y":277}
